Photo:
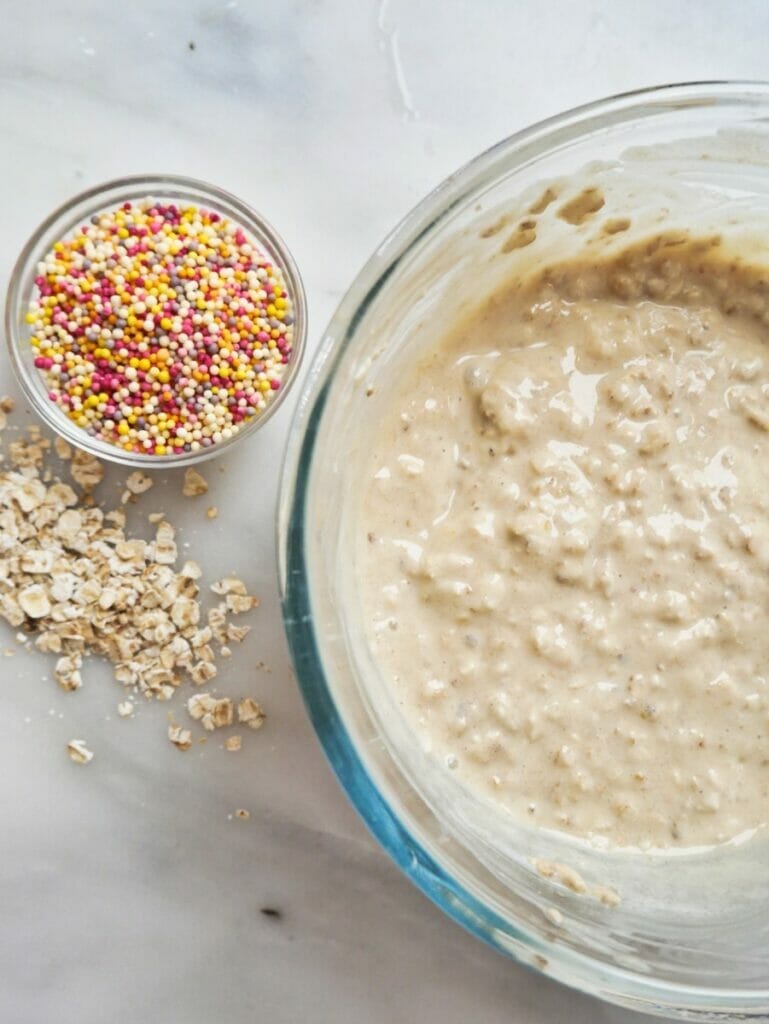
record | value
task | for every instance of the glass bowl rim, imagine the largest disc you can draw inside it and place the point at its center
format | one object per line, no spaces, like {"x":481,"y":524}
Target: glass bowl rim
{"x":110,"y":194}
{"x":580,"y":971}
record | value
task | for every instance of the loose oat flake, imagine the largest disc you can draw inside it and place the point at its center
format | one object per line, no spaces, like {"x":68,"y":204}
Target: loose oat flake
{"x":181,"y":738}
{"x":250,"y":713}
{"x":194,"y":484}
{"x":79,"y":752}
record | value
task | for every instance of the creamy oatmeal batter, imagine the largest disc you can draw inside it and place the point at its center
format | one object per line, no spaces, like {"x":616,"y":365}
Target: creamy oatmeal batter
{"x":566,"y":553}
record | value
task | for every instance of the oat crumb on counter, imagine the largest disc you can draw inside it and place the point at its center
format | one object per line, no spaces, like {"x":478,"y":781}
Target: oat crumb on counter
{"x":79,"y":752}
{"x":181,"y":738}
{"x":73,"y":583}
{"x":211,"y":712}
{"x":250,"y":713}
{"x":67,"y":672}
{"x":194,"y":484}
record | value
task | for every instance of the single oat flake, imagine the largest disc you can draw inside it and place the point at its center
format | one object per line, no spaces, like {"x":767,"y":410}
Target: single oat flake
{"x":194,"y":484}
{"x":250,"y":713}
{"x":181,"y":738}
{"x":79,"y":752}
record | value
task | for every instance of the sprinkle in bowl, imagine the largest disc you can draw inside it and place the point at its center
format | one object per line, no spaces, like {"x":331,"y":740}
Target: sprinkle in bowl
{"x":154,"y":321}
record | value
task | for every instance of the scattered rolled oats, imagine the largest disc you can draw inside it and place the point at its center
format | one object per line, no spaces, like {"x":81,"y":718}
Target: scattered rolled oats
{"x":250,"y":713}
{"x":212,"y":512}
{"x":72,"y":581}
{"x":71,"y":574}
{"x":194,"y":484}
{"x":233,"y":743}
{"x":181,"y":738}
{"x":79,"y":752}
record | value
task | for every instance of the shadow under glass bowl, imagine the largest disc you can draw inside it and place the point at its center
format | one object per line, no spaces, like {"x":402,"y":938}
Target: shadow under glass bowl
{"x":109,"y":196}
{"x":690,"y":936}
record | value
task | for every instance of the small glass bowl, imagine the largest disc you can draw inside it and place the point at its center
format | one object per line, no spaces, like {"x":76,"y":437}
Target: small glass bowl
{"x":169,"y":188}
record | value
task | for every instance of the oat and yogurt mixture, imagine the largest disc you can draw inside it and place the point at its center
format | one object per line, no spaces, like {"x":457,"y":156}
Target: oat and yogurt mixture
{"x":566,"y":548}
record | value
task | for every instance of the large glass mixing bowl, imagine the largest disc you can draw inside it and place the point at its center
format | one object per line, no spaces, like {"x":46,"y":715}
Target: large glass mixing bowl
{"x":690,"y":936}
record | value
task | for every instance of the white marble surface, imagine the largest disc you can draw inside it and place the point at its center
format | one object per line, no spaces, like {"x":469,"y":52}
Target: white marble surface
{"x":126,"y":893}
